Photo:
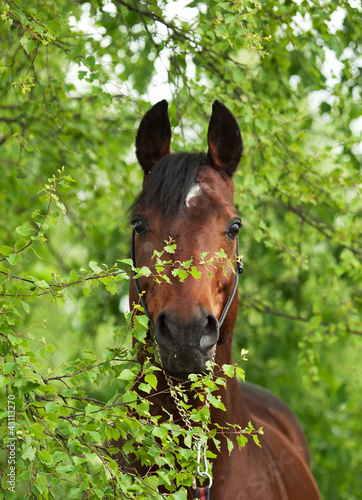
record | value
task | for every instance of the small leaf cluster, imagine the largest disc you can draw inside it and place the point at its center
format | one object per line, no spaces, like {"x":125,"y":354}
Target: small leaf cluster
{"x":235,"y":23}
{"x":159,"y":271}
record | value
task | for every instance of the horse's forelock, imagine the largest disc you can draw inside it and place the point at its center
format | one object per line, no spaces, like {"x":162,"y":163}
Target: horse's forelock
{"x":169,"y":182}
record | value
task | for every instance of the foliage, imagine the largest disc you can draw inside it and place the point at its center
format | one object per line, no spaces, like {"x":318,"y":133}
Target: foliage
{"x":75,"y":78}
{"x":66,"y":439}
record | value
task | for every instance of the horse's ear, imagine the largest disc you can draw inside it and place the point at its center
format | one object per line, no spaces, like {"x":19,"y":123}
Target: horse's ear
{"x":153,"y":136}
{"x":224,"y":139}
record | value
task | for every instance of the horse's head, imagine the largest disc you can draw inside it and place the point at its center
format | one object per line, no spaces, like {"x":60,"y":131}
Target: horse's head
{"x":188,"y":197}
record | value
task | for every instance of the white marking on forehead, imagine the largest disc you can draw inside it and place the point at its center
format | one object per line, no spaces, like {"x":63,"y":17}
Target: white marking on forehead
{"x":194,"y":191}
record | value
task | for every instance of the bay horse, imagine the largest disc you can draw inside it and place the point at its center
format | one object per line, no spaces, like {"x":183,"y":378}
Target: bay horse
{"x":189,"y":196}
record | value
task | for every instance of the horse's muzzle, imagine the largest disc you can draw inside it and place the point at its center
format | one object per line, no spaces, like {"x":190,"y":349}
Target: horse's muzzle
{"x":186,"y":341}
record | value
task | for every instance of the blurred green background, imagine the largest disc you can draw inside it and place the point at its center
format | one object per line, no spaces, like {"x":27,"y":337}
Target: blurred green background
{"x":75,"y":80}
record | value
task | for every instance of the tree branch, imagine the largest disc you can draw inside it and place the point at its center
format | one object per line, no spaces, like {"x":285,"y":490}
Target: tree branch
{"x":280,"y":314}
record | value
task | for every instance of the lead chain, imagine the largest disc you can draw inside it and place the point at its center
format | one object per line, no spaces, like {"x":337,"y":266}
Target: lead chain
{"x":201,"y":448}
{"x":183,"y":413}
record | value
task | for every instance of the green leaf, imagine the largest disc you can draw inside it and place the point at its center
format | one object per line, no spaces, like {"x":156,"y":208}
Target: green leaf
{"x":26,"y":306}
{"x":73,"y":276}
{"x":94,"y":266}
{"x":240,"y":373}
{"x":188,"y":441}
{"x":187,"y":263}
{"x":28,"y":453}
{"x":126,"y":374}
{"x":242,"y":440}
{"x":51,"y":407}
{"x":5,"y":250}
{"x":151,"y":379}
{"x":28,"y":43}
{"x":82,"y":74}
{"x":5,"y":270}
{"x":112,"y":433}
{"x":14,"y":258}
{"x":170,"y":248}
{"x":230,"y":445}
{"x":23,"y":230}
{"x":9,"y":367}
{"x":220,"y":30}
{"x":61,"y":205}
{"x":221,"y":254}
{"x":38,"y":431}
{"x":216,"y":401}
{"x":256,"y":440}
{"x":229,"y":370}
{"x":160,"y":432}
{"x":129,"y":262}
{"x":90,"y":62}
{"x":141,"y":321}
{"x":44,"y":456}
{"x":178,"y":495}
{"x":4,"y":380}
{"x":180,"y":273}
{"x":195,"y":273}
{"x":42,"y":284}
{"x":151,"y":482}
{"x":144,"y":271}
{"x":145,"y":388}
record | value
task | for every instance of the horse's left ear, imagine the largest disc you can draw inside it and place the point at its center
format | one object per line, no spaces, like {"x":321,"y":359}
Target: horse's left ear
{"x":153,"y":136}
{"x":224,"y":139}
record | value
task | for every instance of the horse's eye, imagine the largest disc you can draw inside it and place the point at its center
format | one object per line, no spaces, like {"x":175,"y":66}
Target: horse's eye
{"x":140,"y":227}
{"x":234,"y":229}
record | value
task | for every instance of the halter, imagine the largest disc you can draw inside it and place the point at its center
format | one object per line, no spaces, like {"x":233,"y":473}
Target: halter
{"x":202,"y":493}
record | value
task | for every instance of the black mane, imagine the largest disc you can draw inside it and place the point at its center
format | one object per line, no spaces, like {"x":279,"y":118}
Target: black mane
{"x":169,"y":182}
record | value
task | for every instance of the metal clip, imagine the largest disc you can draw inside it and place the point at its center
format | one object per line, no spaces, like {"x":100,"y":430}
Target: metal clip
{"x":204,"y":474}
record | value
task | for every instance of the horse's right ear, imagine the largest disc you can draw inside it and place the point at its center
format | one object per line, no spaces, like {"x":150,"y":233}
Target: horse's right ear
{"x":153,"y":136}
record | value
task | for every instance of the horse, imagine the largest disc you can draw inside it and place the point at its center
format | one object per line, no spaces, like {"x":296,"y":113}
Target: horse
{"x":189,"y":196}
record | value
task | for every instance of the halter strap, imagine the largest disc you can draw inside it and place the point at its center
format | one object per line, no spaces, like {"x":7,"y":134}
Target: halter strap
{"x":239,"y":270}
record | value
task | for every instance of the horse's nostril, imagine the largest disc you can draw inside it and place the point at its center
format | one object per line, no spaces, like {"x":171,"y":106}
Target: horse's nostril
{"x":210,"y":334}
{"x":163,"y":330}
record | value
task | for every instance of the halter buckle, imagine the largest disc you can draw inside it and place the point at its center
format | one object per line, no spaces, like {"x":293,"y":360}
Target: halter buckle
{"x":239,"y":265}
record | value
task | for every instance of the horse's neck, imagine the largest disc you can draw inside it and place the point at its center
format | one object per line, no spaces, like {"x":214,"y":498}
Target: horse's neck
{"x":231,"y":395}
